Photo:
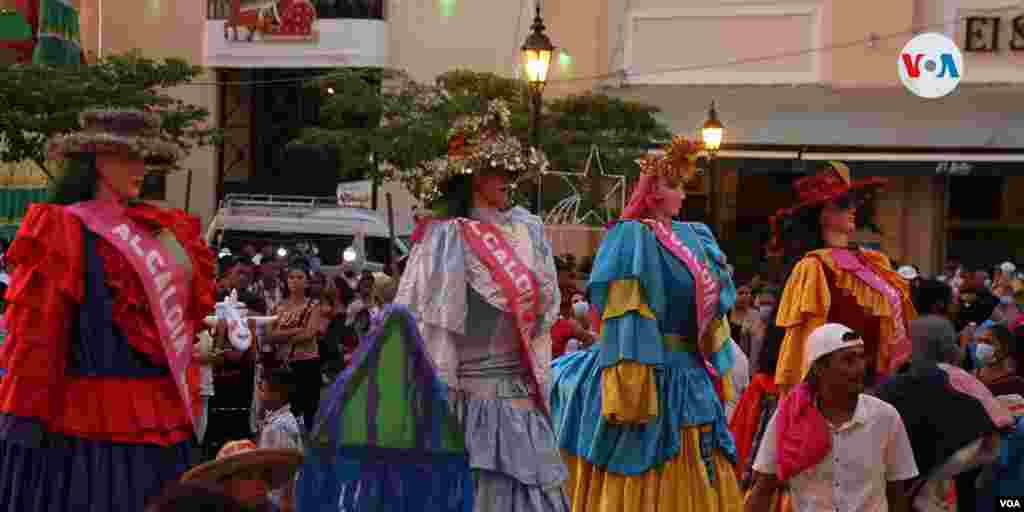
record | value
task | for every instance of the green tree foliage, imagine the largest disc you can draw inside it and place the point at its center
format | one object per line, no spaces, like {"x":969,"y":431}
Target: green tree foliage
{"x":42,"y":101}
{"x":415,"y":119}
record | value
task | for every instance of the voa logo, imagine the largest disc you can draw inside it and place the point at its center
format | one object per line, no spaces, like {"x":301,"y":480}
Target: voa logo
{"x":931,"y":65}
{"x":1010,"y":504}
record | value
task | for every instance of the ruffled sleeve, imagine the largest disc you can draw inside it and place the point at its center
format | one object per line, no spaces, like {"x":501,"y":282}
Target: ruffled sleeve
{"x":433,"y":287}
{"x":187,"y":230}
{"x":716,"y":345}
{"x":46,"y":287}
{"x":718,"y":263}
{"x":804,"y":307}
{"x":625,"y":287}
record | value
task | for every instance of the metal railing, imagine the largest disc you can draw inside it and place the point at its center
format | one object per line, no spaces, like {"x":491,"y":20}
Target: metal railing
{"x":279,"y":202}
{"x":325,"y":9}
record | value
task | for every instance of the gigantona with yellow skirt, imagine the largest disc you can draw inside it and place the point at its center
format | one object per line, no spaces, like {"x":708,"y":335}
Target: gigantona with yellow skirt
{"x":639,"y":416}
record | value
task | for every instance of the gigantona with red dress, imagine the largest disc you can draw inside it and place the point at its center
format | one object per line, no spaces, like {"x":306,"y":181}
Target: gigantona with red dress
{"x":90,"y":414}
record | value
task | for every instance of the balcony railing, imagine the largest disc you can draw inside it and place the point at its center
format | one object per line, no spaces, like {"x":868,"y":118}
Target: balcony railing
{"x":325,"y":9}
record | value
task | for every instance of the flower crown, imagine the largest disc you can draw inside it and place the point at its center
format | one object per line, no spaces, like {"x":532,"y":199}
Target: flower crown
{"x":477,"y":143}
{"x":678,"y":160}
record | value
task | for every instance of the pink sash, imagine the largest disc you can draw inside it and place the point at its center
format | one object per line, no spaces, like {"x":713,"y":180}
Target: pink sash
{"x":166,"y":284}
{"x":901,"y":346}
{"x":519,"y":286}
{"x":705,"y":283}
{"x":802,"y":437}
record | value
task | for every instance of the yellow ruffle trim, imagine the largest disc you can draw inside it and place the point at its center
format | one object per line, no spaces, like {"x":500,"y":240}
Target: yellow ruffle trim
{"x":805,"y":304}
{"x":629,"y":393}
{"x":625,"y":295}
{"x":679,"y":485}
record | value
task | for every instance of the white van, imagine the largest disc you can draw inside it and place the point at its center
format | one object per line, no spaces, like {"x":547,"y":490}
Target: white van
{"x":286,"y":221}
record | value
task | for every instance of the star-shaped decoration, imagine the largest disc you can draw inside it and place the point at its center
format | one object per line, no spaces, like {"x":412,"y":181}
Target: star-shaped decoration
{"x":567,"y":211}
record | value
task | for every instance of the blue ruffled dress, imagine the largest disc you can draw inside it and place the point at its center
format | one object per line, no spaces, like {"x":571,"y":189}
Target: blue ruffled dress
{"x":671,"y":448}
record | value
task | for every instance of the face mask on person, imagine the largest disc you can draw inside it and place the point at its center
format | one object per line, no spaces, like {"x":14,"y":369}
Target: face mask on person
{"x":984,"y":354}
{"x":580,"y":309}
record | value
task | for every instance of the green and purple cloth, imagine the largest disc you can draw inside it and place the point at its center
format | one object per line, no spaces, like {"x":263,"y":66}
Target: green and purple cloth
{"x":385,"y":437}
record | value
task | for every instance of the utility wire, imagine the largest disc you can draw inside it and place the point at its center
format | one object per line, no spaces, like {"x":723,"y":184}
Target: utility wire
{"x":627,"y":74}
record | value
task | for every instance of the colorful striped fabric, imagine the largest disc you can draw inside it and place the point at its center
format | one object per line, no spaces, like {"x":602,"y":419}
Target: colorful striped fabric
{"x":384,"y":435}
{"x":390,"y":396}
{"x":59,"y":35}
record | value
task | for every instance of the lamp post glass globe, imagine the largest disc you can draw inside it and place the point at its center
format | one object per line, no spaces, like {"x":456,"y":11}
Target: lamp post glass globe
{"x":711,"y":133}
{"x":537,"y":64}
{"x":537,"y":51}
{"x":282,"y":252}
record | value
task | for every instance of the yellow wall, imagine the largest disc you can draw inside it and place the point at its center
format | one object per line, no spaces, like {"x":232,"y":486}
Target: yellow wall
{"x":860,"y":65}
{"x":428,"y":38}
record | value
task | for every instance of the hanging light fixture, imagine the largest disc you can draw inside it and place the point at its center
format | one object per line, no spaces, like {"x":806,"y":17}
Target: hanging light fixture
{"x":712,"y":131}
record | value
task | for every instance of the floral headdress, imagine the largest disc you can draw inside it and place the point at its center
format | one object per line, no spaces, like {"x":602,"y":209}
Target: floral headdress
{"x":477,"y":143}
{"x":678,"y":161}
{"x":128,"y":132}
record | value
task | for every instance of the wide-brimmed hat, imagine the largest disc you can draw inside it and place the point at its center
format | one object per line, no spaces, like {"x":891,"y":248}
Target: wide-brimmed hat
{"x":278,"y":466}
{"x":830,"y":183}
{"x":132,"y":133}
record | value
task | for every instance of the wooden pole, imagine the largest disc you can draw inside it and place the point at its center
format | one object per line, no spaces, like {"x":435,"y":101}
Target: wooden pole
{"x":390,"y":263}
{"x":188,"y":189}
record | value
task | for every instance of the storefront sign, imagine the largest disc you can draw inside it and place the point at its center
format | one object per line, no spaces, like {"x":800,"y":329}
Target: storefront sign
{"x":988,"y":34}
{"x":355,"y":194}
{"x":954,"y":168}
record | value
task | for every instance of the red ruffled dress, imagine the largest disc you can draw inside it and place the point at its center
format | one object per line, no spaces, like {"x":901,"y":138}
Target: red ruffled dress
{"x":90,"y":418}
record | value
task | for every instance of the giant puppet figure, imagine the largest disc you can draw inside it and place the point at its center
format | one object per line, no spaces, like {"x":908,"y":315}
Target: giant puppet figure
{"x":480,"y":287}
{"x":640,"y":416}
{"x":96,"y":405}
{"x":836,"y":281}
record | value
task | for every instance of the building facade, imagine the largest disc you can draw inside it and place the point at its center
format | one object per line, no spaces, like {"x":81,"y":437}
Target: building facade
{"x":798,"y":83}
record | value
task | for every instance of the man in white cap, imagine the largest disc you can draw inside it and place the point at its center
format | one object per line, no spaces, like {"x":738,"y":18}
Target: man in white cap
{"x":834,"y":447}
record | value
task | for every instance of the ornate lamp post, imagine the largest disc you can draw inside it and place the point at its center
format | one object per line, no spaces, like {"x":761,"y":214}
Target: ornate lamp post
{"x":711,"y":134}
{"x":537,"y":51}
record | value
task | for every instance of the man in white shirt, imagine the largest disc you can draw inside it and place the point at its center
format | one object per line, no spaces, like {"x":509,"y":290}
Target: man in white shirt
{"x":869,"y":461}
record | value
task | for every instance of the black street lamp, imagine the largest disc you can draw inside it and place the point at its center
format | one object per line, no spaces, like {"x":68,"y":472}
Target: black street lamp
{"x":711,"y":135}
{"x":537,"y":51}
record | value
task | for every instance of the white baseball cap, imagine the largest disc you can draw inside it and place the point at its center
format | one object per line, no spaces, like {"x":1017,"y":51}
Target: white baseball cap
{"x":1008,"y":267}
{"x":827,"y":339}
{"x":907,"y":272}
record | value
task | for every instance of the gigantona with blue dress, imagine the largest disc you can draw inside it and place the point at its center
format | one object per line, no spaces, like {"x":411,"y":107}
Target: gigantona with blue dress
{"x":639,"y":417}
